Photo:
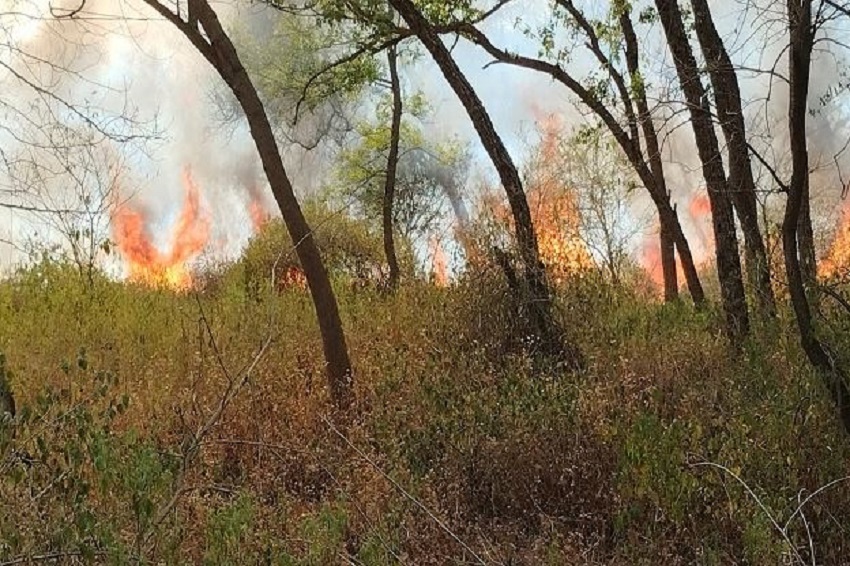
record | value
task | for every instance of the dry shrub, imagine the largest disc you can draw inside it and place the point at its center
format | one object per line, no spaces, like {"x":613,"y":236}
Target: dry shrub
{"x":531,"y":479}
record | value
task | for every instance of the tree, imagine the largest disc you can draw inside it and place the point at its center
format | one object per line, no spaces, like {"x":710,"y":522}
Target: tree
{"x":595,"y":169}
{"x":803,"y":25}
{"x":666,"y":223}
{"x":213,"y":43}
{"x":726,"y":243}
{"x":69,"y":189}
{"x":392,"y":167}
{"x":539,"y":300}
{"x":428,"y":172}
{"x":309,"y":94}
{"x":648,"y":166}
{"x":741,"y":182}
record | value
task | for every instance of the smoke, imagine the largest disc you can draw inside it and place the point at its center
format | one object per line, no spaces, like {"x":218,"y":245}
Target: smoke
{"x":124,"y":61}
{"x":132,"y":74}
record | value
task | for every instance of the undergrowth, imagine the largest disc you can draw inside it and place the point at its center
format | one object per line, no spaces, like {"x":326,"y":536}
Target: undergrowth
{"x":671,"y":447}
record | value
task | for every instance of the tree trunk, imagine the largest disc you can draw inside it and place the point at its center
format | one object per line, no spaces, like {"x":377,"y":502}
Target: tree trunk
{"x":742,"y":186}
{"x":799,"y":55}
{"x":806,"y":239}
{"x":722,"y":215}
{"x":653,"y":153}
{"x":392,"y":166}
{"x":540,"y":303}
{"x":216,"y":47}
{"x":668,"y":264}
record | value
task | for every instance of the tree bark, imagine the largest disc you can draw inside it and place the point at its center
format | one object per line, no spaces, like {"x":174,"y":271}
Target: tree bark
{"x":806,"y":239}
{"x":801,"y":35}
{"x":722,"y":216}
{"x":668,"y":264}
{"x":540,"y":302}
{"x":216,"y":47}
{"x":741,"y":184}
{"x":392,"y":166}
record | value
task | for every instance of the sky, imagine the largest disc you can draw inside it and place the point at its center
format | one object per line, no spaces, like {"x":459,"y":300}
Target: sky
{"x":142,"y":64}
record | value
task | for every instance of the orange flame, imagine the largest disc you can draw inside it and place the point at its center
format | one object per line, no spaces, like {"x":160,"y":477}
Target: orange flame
{"x":258,"y":214}
{"x":293,"y":277}
{"x":836,"y":263}
{"x":439,"y":263}
{"x":554,"y":209}
{"x":699,"y":212}
{"x":651,"y":260}
{"x":148,"y":265}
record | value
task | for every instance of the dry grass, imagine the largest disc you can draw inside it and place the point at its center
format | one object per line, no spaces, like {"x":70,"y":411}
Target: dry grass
{"x":492,"y":457}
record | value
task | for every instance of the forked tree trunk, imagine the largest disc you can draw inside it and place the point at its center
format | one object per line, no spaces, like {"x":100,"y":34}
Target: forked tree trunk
{"x":741,"y":184}
{"x":799,"y":56}
{"x":540,"y":303}
{"x":392,"y":167}
{"x":216,"y":47}
{"x":722,"y":216}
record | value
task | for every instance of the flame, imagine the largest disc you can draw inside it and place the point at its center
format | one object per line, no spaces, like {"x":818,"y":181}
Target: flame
{"x":651,"y":259}
{"x":439,"y":263}
{"x":702,"y":247}
{"x":148,"y":265}
{"x":700,"y":206}
{"x":554,"y":208}
{"x":293,"y":277}
{"x":836,"y":263}
{"x":259,"y":215}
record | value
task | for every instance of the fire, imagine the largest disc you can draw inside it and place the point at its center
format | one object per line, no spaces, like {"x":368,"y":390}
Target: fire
{"x":292,"y":277}
{"x":554,"y":209}
{"x":836,"y":263}
{"x":148,"y":265}
{"x":553,"y":206}
{"x":439,"y":263}
{"x":702,"y":246}
{"x":651,"y":259}
{"x":259,"y":215}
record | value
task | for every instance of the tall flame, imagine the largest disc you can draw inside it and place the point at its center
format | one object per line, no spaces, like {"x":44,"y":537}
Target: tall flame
{"x":439,"y":263}
{"x":836,"y":263}
{"x":257,"y":210}
{"x":554,"y":208}
{"x":148,"y":265}
{"x":258,"y":215}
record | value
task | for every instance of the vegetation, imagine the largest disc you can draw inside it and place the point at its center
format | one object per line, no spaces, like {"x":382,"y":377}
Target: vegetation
{"x":665,"y":446}
{"x":339,"y":391}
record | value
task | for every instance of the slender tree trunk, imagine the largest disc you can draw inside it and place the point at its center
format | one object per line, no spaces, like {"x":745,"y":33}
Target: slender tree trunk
{"x":540,"y":303}
{"x":216,"y":47}
{"x":653,"y":153}
{"x":742,"y":186}
{"x":668,"y":265}
{"x":806,"y":239}
{"x":392,"y":166}
{"x":800,"y":52}
{"x":722,"y":215}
